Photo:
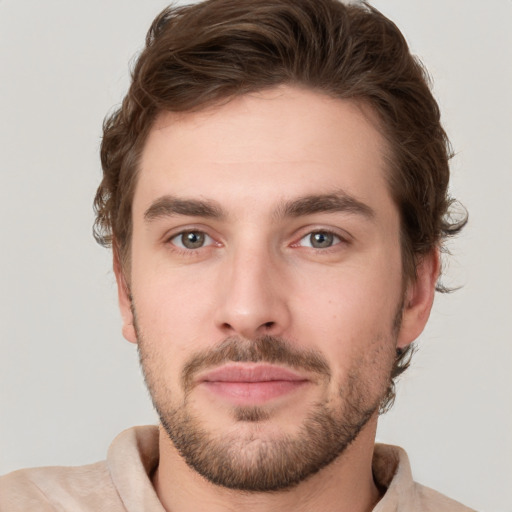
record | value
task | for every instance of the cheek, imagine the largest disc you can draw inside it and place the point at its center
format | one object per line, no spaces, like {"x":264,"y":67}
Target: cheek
{"x":348,"y":312}
{"x":172,"y":306}
{"x":170,"y":297}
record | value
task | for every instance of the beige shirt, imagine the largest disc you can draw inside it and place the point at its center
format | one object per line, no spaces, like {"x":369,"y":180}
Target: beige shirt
{"x":122,"y":483}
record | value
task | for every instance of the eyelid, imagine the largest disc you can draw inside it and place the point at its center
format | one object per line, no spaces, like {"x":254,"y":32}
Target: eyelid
{"x":343,"y":236}
{"x":335,"y":242}
{"x":178,"y":231}
{"x":186,"y":228}
{"x":208,"y":240}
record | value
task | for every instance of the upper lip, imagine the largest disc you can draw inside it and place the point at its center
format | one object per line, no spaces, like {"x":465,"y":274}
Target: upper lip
{"x":250,"y":372}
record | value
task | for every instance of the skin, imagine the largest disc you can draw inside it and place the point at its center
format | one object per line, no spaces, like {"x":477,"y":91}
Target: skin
{"x":258,"y":274}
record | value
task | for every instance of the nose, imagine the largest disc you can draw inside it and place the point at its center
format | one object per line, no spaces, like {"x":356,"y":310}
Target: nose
{"x":252,"y":292}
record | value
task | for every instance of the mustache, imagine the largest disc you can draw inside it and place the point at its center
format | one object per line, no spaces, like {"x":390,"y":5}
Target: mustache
{"x":268,"y":349}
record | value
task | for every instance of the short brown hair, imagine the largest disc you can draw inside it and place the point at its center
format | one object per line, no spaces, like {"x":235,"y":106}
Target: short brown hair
{"x":207,"y":53}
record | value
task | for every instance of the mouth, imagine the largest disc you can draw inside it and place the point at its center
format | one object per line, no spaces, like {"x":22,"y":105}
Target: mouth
{"x":250,"y":384}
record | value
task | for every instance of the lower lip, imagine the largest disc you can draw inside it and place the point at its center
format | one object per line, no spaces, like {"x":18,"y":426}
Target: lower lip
{"x":253,"y":393}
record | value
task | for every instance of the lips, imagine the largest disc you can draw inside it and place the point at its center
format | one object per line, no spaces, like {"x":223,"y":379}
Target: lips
{"x":250,"y":373}
{"x":251,"y":384}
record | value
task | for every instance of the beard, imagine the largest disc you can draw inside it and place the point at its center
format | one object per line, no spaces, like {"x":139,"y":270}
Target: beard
{"x":249,"y":459}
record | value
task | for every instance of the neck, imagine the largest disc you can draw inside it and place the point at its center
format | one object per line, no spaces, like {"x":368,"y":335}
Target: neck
{"x":345,"y":485}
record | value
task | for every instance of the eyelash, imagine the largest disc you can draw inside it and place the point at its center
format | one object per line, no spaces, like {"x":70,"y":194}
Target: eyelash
{"x":210,"y":241}
{"x":186,"y":251}
{"x":338,"y":239}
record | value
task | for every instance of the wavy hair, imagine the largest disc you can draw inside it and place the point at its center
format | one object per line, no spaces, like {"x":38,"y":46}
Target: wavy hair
{"x":207,"y":53}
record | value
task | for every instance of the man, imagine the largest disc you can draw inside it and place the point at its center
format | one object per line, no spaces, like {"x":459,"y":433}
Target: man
{"x":275,"y":194}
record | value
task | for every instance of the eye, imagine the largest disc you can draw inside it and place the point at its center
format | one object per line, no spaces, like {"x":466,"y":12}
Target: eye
{"x":319,"y":240}
{"x":191,"y":240}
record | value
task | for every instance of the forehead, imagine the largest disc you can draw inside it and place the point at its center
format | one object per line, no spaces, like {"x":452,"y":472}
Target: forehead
{"x":269,"y":145}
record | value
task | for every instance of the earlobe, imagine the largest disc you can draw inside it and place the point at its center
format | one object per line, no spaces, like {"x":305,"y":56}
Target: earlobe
{"x":125,"y":302}
{"x":419,"y":297}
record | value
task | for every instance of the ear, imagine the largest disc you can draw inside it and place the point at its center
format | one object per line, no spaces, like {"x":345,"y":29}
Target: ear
{"x":124,"y":297}
{"x":418,"y":299}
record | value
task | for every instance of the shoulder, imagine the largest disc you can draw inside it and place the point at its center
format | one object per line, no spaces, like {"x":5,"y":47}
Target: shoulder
{"x":429,"y":500}
{"x":59,"y":488}
{"x":122,"y":478}
{"x":392,"y":474}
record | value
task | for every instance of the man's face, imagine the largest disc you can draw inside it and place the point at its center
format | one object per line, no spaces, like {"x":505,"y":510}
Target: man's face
{"x":266,"y":283}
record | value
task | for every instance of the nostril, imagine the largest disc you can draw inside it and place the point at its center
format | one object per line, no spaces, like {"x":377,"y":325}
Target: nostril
{"x":268,"y":325}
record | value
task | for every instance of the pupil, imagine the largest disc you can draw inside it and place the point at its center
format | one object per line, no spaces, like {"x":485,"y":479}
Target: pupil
{"x":320,"y":240}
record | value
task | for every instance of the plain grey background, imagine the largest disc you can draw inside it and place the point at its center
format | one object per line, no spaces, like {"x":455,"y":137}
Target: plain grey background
{"x":69,"y":382}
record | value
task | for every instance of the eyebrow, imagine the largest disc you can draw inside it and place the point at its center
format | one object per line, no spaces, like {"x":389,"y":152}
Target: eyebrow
{"x":169,"y":206}
{"x":338,"y":201}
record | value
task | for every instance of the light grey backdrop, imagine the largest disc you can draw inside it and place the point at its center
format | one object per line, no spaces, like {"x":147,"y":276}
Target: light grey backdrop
{"x":69,"y":382}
